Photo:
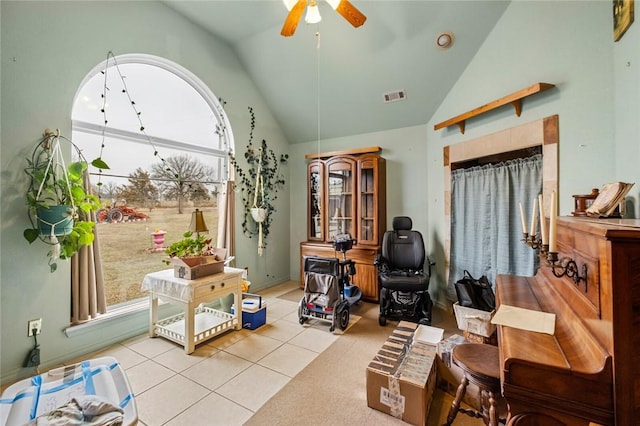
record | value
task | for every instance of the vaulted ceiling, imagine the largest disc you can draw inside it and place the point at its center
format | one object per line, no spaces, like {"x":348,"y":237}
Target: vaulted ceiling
{"x":339,"y":77}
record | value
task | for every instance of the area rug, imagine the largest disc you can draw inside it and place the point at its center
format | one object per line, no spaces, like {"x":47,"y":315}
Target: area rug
{"x":331,"y":390}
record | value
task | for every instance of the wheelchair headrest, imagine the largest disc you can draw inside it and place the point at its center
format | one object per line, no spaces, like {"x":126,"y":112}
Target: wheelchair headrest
{"x":402,"y":223}
{"x":321,"y":265}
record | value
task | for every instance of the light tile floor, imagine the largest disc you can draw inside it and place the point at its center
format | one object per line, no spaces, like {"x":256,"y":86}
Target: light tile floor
{"x":173,"y":388}
{"x":220,"y":377}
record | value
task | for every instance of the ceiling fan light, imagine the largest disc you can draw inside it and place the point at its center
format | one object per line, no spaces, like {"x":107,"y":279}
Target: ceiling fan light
{"x":313,"y":13}
{"x":289,"y":4}
{"x":334,"y":3}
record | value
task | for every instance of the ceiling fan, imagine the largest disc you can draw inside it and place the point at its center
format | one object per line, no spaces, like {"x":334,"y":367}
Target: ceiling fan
{"x":297,"y":7}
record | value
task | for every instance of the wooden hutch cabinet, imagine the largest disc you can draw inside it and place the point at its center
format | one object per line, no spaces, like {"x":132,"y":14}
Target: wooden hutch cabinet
{"x":346,"y":193}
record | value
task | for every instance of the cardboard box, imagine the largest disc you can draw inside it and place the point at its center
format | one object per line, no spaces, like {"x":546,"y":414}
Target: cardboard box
{"x":254,"y":311}
{"x":194,"y":268}
{"x":446,"y":346}
{"x":428,"y":337}
{"x":449,"y":374}
{"x":401,"y":378}
{"x":477,"y":338}
{"x":474,"y":320}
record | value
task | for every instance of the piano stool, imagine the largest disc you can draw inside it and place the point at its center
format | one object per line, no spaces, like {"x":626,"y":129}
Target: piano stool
{"x":480,"y":364}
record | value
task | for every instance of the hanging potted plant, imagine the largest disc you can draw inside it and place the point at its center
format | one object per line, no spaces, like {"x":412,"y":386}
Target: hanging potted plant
{"x":259,"y":214}
{"x":59,"y":207}
{"x":259,"y":185}
{"x":258,"y":210}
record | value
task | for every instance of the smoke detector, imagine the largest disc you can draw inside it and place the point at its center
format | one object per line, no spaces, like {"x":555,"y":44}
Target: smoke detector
{"x":445,"y":40}
{"x":398,"y":95}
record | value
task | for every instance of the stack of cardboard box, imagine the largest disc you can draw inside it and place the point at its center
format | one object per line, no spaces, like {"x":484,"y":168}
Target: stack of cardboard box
{"x":402,"y":376}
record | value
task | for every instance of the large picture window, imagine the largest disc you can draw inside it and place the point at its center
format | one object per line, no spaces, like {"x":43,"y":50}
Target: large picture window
{"x":165,"y":138}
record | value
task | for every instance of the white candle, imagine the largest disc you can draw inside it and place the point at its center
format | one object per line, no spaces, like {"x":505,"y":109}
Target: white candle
{"x":543,"y":223}
{"x":522,"y":219}
{"x":552,"y":220}
{"x":534,"y":217}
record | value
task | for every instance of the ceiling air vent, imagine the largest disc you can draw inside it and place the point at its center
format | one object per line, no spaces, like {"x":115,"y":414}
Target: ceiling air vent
{"x":399,"y":95}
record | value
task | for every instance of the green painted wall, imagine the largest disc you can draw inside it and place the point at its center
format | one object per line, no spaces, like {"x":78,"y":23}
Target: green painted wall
{"x":626,"y":92}
{"x":569,"y":44}
{"x":404,"y":151}
{"x":47,"y":49}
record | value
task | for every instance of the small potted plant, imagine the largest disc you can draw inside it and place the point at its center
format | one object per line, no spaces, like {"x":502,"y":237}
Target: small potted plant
{"x":191,"y":250}
{"x":59,"y":207}
{"x":195,"y":257}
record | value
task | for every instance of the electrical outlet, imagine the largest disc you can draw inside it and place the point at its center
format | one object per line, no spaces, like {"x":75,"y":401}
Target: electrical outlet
{"x":34,"y":324}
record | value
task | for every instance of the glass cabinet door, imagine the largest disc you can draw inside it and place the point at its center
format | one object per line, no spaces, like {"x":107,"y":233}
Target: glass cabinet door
{"x":315,"y":203}
{"x":341,"y":203}
{"x":368,"y":193}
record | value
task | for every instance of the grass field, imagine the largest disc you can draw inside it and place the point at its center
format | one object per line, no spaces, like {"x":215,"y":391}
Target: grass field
{"x":127,"y":248}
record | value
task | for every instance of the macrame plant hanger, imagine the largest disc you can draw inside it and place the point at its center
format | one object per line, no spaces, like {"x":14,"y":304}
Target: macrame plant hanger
{"x":56,"y":157}
{"x":259,"y":214}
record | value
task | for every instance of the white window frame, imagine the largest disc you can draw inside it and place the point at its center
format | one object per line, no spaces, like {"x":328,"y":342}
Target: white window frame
{"x":227,"y":145}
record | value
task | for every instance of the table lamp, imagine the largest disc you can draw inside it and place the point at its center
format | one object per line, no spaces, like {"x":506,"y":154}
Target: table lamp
{"x":197,"y":223}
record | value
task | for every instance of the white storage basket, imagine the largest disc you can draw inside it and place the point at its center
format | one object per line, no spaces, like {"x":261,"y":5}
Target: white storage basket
{"x":474,"y":320}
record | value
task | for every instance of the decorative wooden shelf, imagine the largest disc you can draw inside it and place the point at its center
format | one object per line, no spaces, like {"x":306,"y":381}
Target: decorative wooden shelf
{"x":514,"y":99}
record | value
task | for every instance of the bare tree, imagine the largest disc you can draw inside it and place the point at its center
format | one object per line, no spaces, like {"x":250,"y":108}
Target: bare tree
{"x":182,"y":176}
{"x":108,"y":190}
{"x":140,"y":189}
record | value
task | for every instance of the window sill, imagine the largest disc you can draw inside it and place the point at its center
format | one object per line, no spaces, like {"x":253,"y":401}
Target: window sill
{"x":124,"y":316}
{"x":118,"y":313}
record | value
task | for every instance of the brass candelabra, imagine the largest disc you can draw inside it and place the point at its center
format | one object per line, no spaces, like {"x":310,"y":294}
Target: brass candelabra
{"x":560,"y":267}
{"x":534,"y":242}
{"x":566,"y":267}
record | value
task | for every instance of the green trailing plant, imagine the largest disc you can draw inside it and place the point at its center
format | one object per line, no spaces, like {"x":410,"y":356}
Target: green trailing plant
{"x":174,"y":175}
{"x":267,"y":163}
{"x":52,"y":184}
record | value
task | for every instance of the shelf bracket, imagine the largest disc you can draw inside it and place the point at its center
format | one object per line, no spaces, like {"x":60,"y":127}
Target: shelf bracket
{"x":517,"y":104}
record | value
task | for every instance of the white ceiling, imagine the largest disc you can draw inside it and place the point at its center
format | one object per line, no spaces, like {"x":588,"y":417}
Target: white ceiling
{"x":353,"y":67}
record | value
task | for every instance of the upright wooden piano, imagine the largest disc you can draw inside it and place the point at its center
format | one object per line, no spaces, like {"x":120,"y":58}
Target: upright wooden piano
{"x":588,"y":372}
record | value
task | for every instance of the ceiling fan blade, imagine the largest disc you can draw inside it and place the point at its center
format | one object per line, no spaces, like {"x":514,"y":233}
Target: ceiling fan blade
{"x":293,"y":18}
{"x":350,"y":13}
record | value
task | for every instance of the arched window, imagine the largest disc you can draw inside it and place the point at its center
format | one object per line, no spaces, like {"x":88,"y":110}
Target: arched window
{"x":166,"y":138}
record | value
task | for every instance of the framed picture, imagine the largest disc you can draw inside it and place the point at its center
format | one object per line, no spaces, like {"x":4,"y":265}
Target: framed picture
{"x":622,"y":17}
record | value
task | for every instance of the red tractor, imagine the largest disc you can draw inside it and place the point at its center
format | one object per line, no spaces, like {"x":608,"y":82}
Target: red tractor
{"x":116,"y":214}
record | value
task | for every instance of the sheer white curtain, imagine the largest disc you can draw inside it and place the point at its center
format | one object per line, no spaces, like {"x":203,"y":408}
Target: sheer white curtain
{"x":486,"y":231}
